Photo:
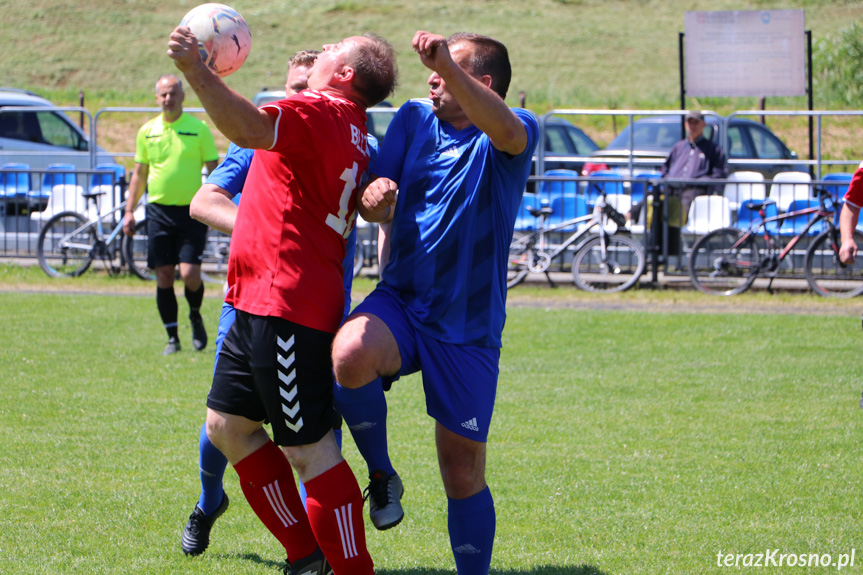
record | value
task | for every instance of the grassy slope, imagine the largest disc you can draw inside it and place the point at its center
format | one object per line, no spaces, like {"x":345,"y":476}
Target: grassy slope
{"x":580,"y":52}
{"x":566,"y":53}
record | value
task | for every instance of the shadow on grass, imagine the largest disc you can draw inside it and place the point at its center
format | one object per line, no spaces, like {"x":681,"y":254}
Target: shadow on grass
{"x":540,"y":570}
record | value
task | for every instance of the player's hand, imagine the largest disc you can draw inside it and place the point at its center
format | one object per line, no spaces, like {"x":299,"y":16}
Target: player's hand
{"x":183,"y":49}
{"x":848,"y":252}
{"x":129,"y":224}
{"x":432,"y":49}
{"x":377,"y":199}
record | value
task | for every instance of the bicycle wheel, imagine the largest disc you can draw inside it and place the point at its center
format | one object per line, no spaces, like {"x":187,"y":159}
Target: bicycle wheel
{"x":722,"y":264}
{"x":617,"y":268}
{"x":65,"y":245}
{"x":826,"y":274}
{"x":135,"y":252}
{"x":520,"y":255}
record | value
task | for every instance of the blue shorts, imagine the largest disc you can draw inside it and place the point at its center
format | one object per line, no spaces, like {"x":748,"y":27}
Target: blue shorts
{"x":460,"y":381}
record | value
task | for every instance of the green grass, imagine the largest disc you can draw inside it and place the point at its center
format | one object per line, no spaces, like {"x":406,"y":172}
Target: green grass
{"x":623,"y":442}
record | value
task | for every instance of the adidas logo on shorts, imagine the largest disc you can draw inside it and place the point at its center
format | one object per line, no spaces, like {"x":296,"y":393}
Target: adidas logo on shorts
{"x":471,"y":424}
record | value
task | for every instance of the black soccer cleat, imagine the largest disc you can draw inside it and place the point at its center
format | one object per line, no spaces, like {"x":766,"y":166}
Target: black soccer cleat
{"x":314,"y":564}
{"x":196,"y":535}
{"x":384,"y":494}
{"x":172,"y":347}
{"x":199,"y":334}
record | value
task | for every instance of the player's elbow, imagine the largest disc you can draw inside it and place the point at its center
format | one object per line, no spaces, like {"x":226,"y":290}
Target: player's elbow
{"x":511,"y":139}
{"x":199,"y":206}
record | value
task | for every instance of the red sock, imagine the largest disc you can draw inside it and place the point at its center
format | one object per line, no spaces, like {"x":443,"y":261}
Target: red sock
{"x":269,"y":487}
{"x":335,"y":508}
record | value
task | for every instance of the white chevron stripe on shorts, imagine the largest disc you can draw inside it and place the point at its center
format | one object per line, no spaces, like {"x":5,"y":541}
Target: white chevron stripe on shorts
{"x":345,"y":521}
{"x":274,"y":496}
{"x":288,"y":387}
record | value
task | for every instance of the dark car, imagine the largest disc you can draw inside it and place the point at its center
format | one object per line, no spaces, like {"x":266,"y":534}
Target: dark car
{"x":753,"y":147}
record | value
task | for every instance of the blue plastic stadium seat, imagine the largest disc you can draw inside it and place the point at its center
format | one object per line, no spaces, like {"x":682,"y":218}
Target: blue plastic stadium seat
{"x":747,"y":216}
{"x":796,"y":224}
{"x":838,"y":190}
{"x":108,"y":174}
{"x":14,"y":185}
{"x":55,"y":175}
{"x":525,"y":221}
{"x":640,"y":183}
{"x":595,"y":188}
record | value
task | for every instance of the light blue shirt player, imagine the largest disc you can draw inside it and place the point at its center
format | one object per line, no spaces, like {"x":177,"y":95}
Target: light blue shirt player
{"x":457,"y":201}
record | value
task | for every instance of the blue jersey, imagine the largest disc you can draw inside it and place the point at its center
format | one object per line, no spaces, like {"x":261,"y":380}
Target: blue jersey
{"x":453,"y":223}
{"x":230,"y":175}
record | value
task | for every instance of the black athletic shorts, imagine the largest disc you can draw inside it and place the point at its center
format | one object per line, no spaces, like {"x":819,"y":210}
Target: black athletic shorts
{"x":274,"y":370}
{"x":174,"y":237}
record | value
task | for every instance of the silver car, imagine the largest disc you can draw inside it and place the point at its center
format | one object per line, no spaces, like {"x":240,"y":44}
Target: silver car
{"x":39,"y":138}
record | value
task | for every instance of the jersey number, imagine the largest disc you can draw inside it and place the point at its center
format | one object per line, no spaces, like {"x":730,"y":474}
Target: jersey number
{"x":341,"y":223}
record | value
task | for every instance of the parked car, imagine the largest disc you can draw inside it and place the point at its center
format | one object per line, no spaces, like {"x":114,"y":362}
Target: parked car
{"x":655,"y":136}
{"x":378,"y":118}
{"x":40,"y":138}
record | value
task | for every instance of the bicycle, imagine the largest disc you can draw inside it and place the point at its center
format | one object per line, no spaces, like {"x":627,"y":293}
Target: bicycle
{"x":70,"y":241}
{"x":605,"y":262}
{"x":727,"y":261}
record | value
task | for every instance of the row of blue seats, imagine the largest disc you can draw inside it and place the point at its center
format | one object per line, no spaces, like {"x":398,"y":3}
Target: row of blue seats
{"x":15,"y":181}
{"x":567,"y":202}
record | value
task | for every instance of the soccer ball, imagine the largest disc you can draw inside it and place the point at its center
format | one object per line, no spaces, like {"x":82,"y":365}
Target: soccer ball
{"x":223,"y":36}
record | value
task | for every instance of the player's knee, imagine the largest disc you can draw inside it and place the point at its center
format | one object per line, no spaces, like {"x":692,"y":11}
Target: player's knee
{"x":349,"y":362}
{"x":462,"y":479}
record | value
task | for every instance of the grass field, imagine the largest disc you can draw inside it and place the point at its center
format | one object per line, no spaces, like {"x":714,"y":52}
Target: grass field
{"x":624,"y":442}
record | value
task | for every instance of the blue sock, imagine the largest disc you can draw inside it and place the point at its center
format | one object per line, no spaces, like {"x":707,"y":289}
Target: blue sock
{"x":338,"y":434}
{"x":471,"y":525}
{"x":212,"y":465}
{"x":365,"y":413}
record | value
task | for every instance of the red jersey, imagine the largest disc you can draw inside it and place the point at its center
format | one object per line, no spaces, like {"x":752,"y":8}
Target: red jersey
{"x":854,"y":195}
{"x":298,"y":207}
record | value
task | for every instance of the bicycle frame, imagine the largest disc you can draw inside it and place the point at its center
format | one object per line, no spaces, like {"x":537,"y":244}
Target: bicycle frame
{"x":100,"y":229}
{"x":592,"y":220}
{"x":821,"y":213}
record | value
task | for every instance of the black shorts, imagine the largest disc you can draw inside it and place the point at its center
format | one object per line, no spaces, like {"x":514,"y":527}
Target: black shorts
{"x":274,"y":370}
{"x":174,"y":237}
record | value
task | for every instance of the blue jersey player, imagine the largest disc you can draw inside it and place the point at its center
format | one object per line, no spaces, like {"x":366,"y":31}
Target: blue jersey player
{"x":450,"y":177}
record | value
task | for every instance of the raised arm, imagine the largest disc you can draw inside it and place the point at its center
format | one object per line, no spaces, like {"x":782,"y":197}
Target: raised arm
{"x":233,"y":115}
{"x":484,"y":108}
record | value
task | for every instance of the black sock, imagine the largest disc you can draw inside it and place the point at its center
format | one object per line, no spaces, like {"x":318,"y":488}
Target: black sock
{"x":195,"y":299}
{"x":166,"y":301}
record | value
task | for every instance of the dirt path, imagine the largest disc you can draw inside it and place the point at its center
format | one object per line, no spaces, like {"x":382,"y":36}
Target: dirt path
{"x":565,"y":296}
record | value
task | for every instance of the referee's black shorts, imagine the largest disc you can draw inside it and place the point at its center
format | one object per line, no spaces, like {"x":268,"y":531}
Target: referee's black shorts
{"x":271,"y":369}
{"x":174,"y":237}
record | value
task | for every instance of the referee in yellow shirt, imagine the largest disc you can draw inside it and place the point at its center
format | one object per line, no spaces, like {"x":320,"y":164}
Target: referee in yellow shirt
{"x":169,"y":153}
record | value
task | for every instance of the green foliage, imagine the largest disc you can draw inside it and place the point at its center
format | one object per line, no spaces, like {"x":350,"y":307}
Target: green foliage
{"x":623,"y":442}
{"x":838,"y":74}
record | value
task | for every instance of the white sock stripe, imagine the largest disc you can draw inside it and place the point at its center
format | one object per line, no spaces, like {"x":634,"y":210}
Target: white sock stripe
{"x":345,"y":521}
{"x":274,"y":496}
{"x":341,"y":531}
